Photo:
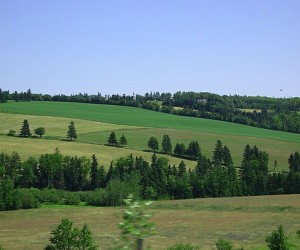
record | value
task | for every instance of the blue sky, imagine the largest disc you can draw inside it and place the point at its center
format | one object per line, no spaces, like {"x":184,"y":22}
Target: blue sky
{"x":226,"y":47}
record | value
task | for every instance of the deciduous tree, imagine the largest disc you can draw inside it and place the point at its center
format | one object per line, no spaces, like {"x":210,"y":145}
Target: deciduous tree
{"x":153,"y":144}
{"x":40,"y":131}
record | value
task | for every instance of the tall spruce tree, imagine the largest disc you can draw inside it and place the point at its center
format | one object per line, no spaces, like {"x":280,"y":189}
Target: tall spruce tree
{"x":94,"y":184}
{"x":112,"y":139}
{"x":123,"y":141}
{"x":218,"y":154}
{"x":71,"y":134}
{"x":166,"y":145}
{"x":25,"y":131}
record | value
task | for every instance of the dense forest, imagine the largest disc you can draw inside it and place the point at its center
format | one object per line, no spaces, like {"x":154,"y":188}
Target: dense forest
{"x":216,"y":177}
{"x":264,"y":112}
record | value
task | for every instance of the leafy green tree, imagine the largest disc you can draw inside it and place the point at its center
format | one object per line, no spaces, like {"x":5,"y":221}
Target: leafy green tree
{"x":153,"y":144}
{"x":123,"y":141}
{"x":9,"y":196}
{"x":66,"y":237}
{"x":25,"y":130}
{"x":40,"y":131}
{"x":135,"y":226}
{"x":112,"y":140}
{"x":277,"y":240}
{"x":71,"y":134}
{"x":166,"y":145}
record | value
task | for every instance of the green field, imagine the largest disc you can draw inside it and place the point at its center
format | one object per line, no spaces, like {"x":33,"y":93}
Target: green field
{"x":94,"y":123}
{"x":246,"y":221}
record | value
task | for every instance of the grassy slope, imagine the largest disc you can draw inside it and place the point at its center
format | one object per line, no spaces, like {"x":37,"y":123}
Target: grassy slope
{"x":97,"y":132}
{"x":140,"y":117}
{"x":245,"y":221}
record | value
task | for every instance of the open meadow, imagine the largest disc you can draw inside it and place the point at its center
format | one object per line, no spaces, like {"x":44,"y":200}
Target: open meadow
{"x":246,"y":221}
{"x":94,"y":123}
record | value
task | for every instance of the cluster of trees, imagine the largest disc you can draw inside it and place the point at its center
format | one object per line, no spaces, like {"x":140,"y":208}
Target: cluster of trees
{"x":113,"y":141}
{"x":40,"y":131}
{"x":216,"y":177}
{"x":271,"y":113}
{"x":193,"y":151}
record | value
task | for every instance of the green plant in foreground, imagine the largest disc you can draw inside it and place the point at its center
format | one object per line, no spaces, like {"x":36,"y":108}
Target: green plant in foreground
{"x":277,"y":240}
{"x":224,"y":245}
{"x":135,"y":226}
{"x":67,"y":237}
{"x":183,"y":247}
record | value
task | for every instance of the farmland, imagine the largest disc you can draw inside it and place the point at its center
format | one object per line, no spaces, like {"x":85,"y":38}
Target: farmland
{"x":94,"y":123}
{"x":245,"y":221}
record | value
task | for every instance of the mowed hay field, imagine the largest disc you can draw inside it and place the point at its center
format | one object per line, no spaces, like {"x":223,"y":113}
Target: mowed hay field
{"x":94,"y":123}
{"x":246,"y":221}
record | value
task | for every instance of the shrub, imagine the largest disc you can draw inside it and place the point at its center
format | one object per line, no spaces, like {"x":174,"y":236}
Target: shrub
{"x":183,"y":247}
{"x":71,"y":198}
{"x":277,"y":240}
{"x":52,"y":196}
{"x":97,"y":198}
{"x":224,"y":245}
{"x":27,"y":199}
{"x":67,"y":237}
{"x":11,"y":132}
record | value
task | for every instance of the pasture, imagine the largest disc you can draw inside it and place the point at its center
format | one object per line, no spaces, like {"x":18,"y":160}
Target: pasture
{"x":246,"y":221}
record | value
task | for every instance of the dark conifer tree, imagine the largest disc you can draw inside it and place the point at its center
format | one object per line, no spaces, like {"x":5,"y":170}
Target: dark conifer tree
{"x":166,"y":145}
{"x":25,"y":131}
{"x":123,"y":141}
{"x":71,"y":134}
{"x":218,"y":154}
{"x":112,"y":140}
{"x":94,"y":183}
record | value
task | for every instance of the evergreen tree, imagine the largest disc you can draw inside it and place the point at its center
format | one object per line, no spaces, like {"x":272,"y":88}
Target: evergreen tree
{"x":112,"y":140}
{"x":123,"y":141}
{"x":294,"y":162}
{"x":193,"y":151}
{"x":227,"y":159}
{"x":218,"y":154}
{"x":179,"y":149}
{"x":71,"y":134}
{"x":181,"y":169}
{"x":25,"y":131}
{"x":153,"y":144}
{"x":94,"y":184}
{"x":166,"y":145}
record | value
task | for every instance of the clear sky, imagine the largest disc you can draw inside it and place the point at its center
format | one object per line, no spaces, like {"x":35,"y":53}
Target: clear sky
{"x":244,"y":47}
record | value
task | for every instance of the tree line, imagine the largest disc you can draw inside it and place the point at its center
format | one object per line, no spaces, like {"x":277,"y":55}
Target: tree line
{"x":264,"y":112}
{"x":157,"y":179}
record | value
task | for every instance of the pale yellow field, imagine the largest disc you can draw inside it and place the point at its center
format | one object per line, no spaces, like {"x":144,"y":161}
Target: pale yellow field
{"x":245,"y":221}
{"x":35,"y":147}
{"x":54,"y":126}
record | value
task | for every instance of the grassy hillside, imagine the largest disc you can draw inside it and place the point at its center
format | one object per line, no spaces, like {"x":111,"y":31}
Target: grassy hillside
{"x":140,"y":117}
{"x":246,"y":221}
{"x":96,"y":131}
